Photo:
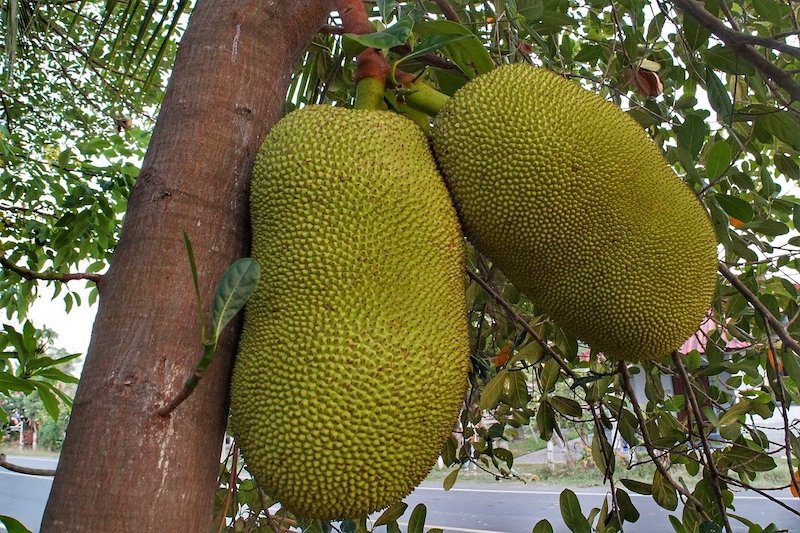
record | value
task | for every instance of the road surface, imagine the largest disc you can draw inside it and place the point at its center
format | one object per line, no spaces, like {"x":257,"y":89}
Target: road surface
{"x":503,"y":507}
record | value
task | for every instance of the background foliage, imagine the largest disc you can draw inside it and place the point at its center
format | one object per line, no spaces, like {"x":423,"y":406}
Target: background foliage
{"x":84,"y":79}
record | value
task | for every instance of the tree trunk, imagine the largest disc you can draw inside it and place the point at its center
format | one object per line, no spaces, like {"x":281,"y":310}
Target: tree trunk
{"x":123,"y":467}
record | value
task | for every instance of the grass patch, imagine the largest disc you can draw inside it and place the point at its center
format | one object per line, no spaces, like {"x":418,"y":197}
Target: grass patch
{"x":16,"y":450}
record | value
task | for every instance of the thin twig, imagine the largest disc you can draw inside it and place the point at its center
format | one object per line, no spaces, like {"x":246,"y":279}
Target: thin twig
{"x":521,"y":321}
{"x":698,"y":419}
{"x":740,"y":42}
{"x":27,"y":274}
{"x":648,"y":444}
{"x":784,"y":401}
{"x":24,"y":469}
{"x":773,"y":322}
{"x":767,"y":495}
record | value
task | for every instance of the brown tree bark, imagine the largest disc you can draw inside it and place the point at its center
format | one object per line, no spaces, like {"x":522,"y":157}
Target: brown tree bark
{"x":123,"y":467}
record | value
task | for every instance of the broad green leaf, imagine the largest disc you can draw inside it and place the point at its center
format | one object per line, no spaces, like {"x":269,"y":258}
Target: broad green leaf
{"x":692,"y":134}
{"x":545,"y":420}
{"x":664,"y":493}
{"x":13,"y":383}
{"x":676,"y":524}
{"x":735,"y":206}
{"x":726,"y":59}
{"x":416,"y":523}
{"x":385,"y":8}
{"x":391,"y":514}
{"x":13,"y":525}
{"x":431,"y":44}
{"x":233,"y":291}
{"x":572,"y":514}
{"x":395,"y":35}
{"x":49,"y":400}
{"x":718,"y":96}
{"x":517,"y":394}
{"x":469,"y":53}
{"x":732,"y":415}
{"x":450,"y":480}
{"x":492,"y":391}
{"x":627,"y":510}
{"x":566,"y":406}
{"x":783,"y":126}
{"x":542,"y":526}
{"x":771,"y":228}
{"x":718,"y":159}
{"x":550,"y":374}
{"x":602,"y":454}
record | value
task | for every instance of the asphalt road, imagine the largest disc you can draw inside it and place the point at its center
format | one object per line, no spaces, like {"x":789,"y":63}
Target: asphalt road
{"x":503,"y":507}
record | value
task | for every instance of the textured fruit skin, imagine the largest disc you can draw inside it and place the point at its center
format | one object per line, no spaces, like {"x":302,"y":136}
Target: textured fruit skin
{"x":353,"y":359}
{"x":575,"y":204}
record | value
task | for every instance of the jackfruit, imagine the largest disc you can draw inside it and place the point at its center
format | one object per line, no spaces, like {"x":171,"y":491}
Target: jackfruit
{"x":353,"y":358}
{"x":576,"y":205}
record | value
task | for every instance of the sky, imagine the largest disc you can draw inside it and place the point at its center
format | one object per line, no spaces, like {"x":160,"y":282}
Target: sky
{"x":73,"y":329}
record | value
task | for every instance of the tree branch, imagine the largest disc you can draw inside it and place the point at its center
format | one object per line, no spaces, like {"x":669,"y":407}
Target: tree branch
{"x":447,"y":10}
{"x":521,"y":321}
{"x":370,"y":63}
{"x":698,"y":419}
{"x":648,"y":444}
{"x":740,"y":42}
{"x":773,"y":322}
{"x":27,"y":274}
{"x":24,"y":469}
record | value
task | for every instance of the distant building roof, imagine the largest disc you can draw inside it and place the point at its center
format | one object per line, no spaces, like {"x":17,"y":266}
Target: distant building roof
{"x":700,"y":338}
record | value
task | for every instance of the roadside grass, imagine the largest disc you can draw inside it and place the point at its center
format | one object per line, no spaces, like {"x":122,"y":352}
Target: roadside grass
{"x":13,"y":449}
{"x":586,"y":474}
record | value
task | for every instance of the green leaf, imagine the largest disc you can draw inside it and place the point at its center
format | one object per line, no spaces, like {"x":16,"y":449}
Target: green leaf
{"x":517,"y":395}
{"x":572,"y":514}
{"x":566,"y":406}
{"x":735,"y":206}
{"x":492,"y":391}
{"x":430,"y":44}
{"x":726,"y":59}
{"x":385,"y":8}
{"x":391,"y":514}
{"x":49,"y":400}
{"x":233,"y":291}
{"x":545,"y":420}
{"x":783,"y":126}
{"x":416,"y":523}
{"x":770,"y":228}
{"x":550,"y":374}
{"x":395,"y":35}
{"x":664,"y":493}
{"x":542,"y":526}
{"x":676,"y":524}
{"x":627,"y":510}
{"x":13,"y":383}
{"x":602,"y":454}
{"x":56,"y":375}
{"x":692,"y":134}
{"x":718,"y":96}
{"x":13,"y":525}
{"x":450,"y":480}
{"x":732,"y":415}
{"x":468,"y":54}
{"x":718,"y":159}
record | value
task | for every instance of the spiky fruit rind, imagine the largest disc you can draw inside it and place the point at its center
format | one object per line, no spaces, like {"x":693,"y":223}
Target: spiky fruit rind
{"x":352,"y":363}
{"x":576,"y":205}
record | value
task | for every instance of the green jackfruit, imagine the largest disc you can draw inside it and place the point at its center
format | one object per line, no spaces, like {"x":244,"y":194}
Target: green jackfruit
{"x":576,"y":205}
{"x":353,"y":359}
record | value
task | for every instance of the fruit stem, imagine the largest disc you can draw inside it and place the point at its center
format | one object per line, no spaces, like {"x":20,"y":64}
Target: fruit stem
{"x":369,"y":94}
{"x":426,"y":99}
